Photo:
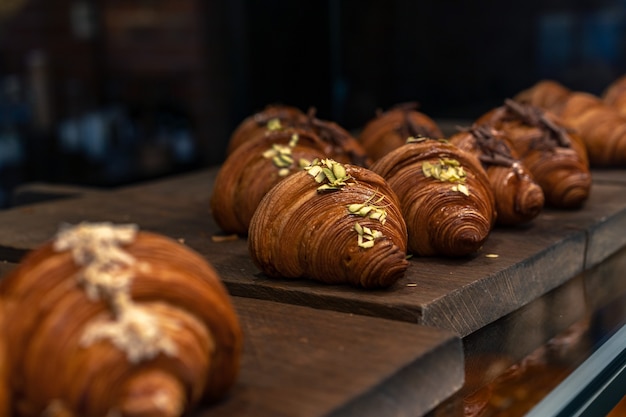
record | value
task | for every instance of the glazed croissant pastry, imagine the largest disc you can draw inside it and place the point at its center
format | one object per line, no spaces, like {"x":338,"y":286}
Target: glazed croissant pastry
{"x":600,"y":126}
{"x":334,"y":223}
{"x":556,"y":157}
{"x":390,"y":130}
{"x":270,"y":118}
{"x":344,"y":147}
{"x":106,"y":320}
{"x":518,"y":197}
{"x":546,"y":94}
{"x":254,"y":168}
{"x":445,"y":196}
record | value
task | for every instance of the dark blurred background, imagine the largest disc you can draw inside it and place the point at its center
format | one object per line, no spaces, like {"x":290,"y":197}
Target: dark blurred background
{"x":109,"y":92}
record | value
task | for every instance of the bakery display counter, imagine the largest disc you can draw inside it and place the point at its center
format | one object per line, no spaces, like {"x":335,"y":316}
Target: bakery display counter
{"x":435,"y":342}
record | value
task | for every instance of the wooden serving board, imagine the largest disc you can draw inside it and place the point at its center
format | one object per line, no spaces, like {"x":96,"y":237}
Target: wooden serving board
{"x":461,"y":295}
{"x":302,"y":362}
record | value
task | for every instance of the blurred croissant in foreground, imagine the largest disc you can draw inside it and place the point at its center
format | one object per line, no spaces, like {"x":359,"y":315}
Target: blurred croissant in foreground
{"x":108,"y":321}
{"x":330,"y":222}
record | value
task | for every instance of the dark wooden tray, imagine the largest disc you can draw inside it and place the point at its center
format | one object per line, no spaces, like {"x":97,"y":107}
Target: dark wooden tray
{"x":460,"y":295}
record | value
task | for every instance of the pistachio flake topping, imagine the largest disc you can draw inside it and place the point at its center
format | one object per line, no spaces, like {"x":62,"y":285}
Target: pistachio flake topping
{"x":331,"y":174}
{"x":369,"y":209}
{"x":281,"y":155}
{"x":418,"y":139}
{"x":274,"y":124}
{"x":447,"y":170}
{"x":366,"y":236}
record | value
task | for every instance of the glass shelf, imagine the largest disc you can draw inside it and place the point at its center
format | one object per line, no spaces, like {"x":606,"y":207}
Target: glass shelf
{"x":562,"y":355}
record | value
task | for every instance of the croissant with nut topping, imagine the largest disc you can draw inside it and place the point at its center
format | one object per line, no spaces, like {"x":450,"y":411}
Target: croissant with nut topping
{"x":270,"y":118}
{"x":334,"y":223}
{"x":254,"y":168}
{"x":390,"y":129}
{"x":108,"y":320}
{"x":344,"y":147}
{"x":555,"y":156}
{"x":518,"y":197}
{"x":445,"y":196}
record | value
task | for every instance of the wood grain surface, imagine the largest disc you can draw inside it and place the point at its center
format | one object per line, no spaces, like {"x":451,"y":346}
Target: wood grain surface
{"x":300,"y":361}
{"x":461,"y":295}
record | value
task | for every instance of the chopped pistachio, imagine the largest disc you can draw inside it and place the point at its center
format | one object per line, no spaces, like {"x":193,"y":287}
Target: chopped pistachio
{"x":274,"y":124}
{"x":462,"y":188}
{"x":329,"y":174}
{"x":294,"y":140}
{"x":281,"y":155}
{"x":366,"y":236}
{"x":447,"y":170}
{"x":339,"y":171}
{"x":368,"y":209}
{"x":330,"y":171}
{"x":418,"y":139}
{"x":413,"y":139}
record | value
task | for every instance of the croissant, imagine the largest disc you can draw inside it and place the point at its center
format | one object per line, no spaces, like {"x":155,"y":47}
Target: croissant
{"x":445,"y":196}
{"x":390,"y":130}
{"x":345,"y":148}
{"x":556,"y":158}
{"x":331,"y":222}
{"x":254,"y":168}
{"x":107,"y":320}
{"x":518,"y":197}
{"x":600,"y":126}
{"x":270,"y":118}
{"x":546,"y":94}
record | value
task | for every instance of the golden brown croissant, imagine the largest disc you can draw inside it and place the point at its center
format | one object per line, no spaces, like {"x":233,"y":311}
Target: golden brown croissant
{"x":345,"y":148}
{"x":546,"y":94}
{"x":390,"y":130}
{"x":518,"y":197}
{"x":445,"y":196}
{"x":106,"y":320}
{"x":333,"y":223}
{"x":600,"y":126}
{"x":254,"y":168}
{"x":556,"y":157}
{"x":271,"y":117}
